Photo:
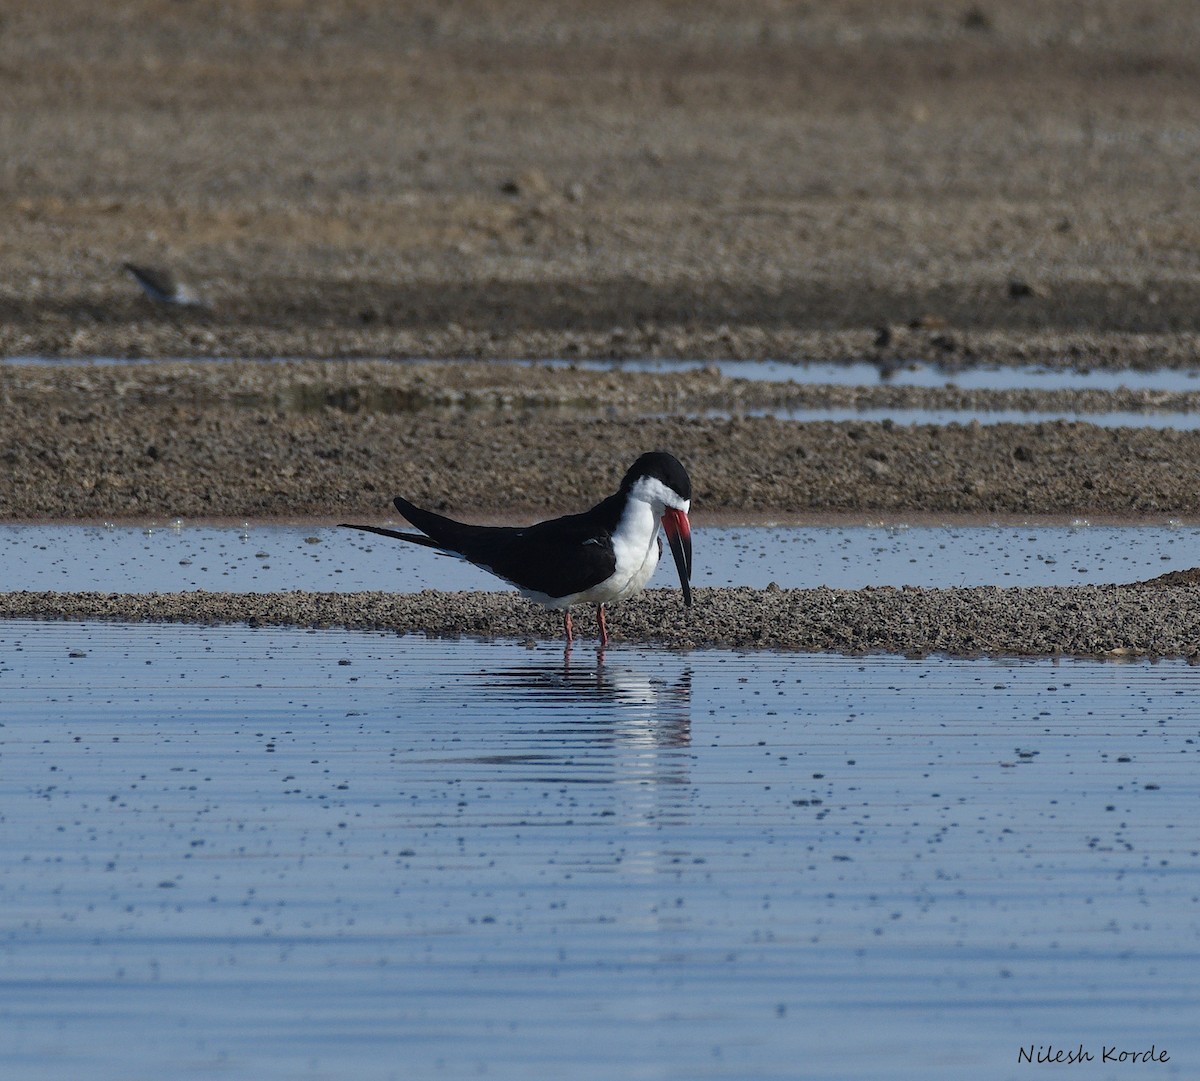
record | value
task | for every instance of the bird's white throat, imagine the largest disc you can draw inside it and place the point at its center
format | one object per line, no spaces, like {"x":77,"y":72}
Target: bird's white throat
{"x":635,"y":540}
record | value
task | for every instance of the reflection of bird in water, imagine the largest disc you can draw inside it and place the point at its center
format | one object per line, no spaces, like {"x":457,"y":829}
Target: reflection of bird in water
{"x":632,"y":707}
{"x":601,"y":556}
{"x":160,"y":285}
{"x":578,"y":727}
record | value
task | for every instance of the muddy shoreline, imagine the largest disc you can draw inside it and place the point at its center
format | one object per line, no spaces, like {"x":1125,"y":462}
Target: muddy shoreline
{"x":1154,"y":619}
{"x":252,"y":441}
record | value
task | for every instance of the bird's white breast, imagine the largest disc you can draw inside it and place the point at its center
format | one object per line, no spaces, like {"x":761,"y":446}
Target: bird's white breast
{"x":635,"y":550}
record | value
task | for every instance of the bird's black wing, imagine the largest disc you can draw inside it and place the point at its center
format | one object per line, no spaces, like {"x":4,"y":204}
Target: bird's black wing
{"x":558,"y":557}
{"x":445,"y":533}
{"x":415,"y":538}
{"x":157,"y":282}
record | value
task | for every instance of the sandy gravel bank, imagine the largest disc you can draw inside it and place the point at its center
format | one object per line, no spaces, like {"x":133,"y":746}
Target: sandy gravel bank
{"x":1106,"y":621}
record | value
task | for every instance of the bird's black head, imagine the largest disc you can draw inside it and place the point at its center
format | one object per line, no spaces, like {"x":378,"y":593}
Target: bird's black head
{"x":662,"y":467}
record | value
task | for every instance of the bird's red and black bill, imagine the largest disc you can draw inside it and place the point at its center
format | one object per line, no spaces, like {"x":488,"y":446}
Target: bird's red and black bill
{"x":679,"y":536}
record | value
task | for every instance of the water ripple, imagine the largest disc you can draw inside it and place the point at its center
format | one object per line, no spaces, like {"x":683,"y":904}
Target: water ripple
{"x":282,"y":853}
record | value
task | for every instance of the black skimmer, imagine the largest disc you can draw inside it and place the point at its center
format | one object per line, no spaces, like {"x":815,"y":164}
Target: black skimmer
{"x":601,"y":556}
{"x":161,"y":285}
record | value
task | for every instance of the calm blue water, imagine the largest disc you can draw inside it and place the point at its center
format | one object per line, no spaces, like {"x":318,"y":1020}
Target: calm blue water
{"x":272,"y":558}
{"x":1184,"y":422}
{"x":916,"y":374}
{"x":284,"y":854}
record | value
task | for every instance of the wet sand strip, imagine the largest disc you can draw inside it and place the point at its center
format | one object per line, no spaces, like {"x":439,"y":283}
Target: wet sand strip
{"x":1152,"y":619}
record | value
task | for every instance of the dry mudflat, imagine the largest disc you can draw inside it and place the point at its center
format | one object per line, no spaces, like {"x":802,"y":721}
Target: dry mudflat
{"x":352,"y":185}
{"x":490,"y":178}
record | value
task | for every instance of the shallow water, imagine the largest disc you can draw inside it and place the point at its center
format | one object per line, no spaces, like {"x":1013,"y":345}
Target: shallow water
{"x":846,"y":373}
{"x":270,"y":854}
{"x":274,"y":558}
{"x":1184,"y":422}
{"x":865,"y":373}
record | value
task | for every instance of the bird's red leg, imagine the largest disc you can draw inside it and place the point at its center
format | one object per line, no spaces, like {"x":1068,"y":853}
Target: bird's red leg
{"x":567,"y":625}
{"x":603,"y":627}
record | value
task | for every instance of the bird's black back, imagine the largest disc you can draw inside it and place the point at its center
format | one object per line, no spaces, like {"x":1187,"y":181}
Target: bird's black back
{"x":558,"y":557}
